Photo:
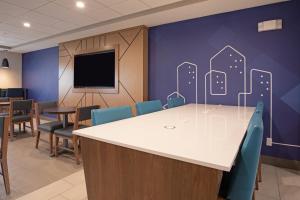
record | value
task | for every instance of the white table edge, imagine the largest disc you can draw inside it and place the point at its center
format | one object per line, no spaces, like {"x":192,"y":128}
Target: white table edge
{"x":192,"y":161}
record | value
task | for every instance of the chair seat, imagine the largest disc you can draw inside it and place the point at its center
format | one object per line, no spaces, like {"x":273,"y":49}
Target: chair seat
{"x":3,"y":114}
{"x":67,"y":132}
{"x":21,"y":118}
{"x":50,"y":126}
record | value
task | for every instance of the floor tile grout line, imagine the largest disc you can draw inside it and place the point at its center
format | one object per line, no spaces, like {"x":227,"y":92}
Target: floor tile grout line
{"x":277,"y":178}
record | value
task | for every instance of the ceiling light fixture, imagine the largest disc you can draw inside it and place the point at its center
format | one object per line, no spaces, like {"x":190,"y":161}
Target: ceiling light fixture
{"x":26,"y":24}
{"x":80,"y":4}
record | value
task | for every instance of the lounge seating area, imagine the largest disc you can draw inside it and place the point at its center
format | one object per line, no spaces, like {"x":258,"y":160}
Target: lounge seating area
{"x":149,"y":100}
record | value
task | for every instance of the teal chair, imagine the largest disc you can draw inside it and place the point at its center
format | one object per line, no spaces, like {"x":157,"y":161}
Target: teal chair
{"x":240,"y":181}
{"x":260,"y":107}
{"x":148,"y":107}
{"x":260,"y":110}
{"x":106,"y":115}
{"x":175,"y":102}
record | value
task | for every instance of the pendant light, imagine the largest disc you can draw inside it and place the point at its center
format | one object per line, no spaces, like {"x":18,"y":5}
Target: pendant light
{"x":5,"y":63}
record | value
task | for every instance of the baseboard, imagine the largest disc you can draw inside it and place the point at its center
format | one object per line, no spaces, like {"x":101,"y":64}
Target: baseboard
{"x":280,"y":162}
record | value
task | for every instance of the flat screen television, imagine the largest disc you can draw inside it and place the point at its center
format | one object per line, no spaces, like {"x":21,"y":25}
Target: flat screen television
{"x":95,"y":70}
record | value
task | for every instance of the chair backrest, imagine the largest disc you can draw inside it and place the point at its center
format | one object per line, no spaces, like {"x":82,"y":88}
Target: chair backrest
{"x":243,"y":175}
{"x":85,"y":113}
{"x":25,"y":106}
{"x":148,"y":107}
{"x":4,"y":99}
{"x":15,"y":92}
{"x":260,"y":106}
{"x":41,"y":106}
{"x":175,"y":102}
{"x":4,"y":121}
{"x":106,"y":115}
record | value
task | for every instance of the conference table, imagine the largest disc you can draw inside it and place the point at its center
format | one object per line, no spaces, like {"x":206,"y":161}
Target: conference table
{"x":174,"y":154}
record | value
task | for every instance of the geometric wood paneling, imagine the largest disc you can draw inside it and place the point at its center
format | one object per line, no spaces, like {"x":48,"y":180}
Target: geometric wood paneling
{"x":133,"y":69}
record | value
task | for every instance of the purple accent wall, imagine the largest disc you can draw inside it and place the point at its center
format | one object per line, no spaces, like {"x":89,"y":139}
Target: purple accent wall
{"x":40,"y":74}
{"x":273,"y":57}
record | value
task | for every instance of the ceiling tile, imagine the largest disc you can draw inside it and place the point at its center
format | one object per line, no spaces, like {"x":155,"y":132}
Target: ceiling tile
{"x":129,"y":7}
{"x":157,"y":3}
{"x":93,"y":9}
{"x":10,"y":9}
{"x":29,"y":4}
{"x":64,"y":14}
{"x":35,"y":17}
{"x":110,"y":2}
{"x":64,"y":26}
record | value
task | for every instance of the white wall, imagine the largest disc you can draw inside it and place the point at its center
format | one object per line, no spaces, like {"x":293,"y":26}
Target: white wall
{"x":11,"y":77}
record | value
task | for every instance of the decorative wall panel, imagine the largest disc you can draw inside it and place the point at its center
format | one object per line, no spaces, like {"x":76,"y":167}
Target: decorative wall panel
{"x":133,"y":70}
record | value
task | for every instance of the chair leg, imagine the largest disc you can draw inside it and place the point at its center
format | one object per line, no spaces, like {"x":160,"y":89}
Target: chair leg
{"x":37,"y":140}
{"x":4,"y":168}
{"x":24,"y":127}
{"x":19,"y":127}
{"x":32,"y":128}
{"x":259,"y":171}
{"x":51,"y":143}
{"x":11,"y":131}
{"x":76,"y":152}
{"x":256,"y":182}
{"x":56,"y":145}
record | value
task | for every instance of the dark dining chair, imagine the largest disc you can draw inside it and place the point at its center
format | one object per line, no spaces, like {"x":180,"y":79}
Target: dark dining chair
{"x":48,"y":127}
{"x":4,"y":121}
{"x":82,"y":114}
{"x":20,"y":112}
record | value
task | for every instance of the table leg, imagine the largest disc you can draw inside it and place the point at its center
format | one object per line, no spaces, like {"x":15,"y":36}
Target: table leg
{"x":65,"y":125}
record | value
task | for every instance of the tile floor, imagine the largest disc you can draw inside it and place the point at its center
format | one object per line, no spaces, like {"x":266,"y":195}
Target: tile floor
{"x":36,"y":176}
{"x":31,"y":169}
{"x":278,"y":184}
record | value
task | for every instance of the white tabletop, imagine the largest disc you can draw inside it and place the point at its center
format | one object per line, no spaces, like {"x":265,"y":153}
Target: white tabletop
{"x":204,"y":135}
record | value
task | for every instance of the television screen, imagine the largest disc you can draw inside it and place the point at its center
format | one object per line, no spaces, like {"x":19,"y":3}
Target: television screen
{"x":95,"y":70}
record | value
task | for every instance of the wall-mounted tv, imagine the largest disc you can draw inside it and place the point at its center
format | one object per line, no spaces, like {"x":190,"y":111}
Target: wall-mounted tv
{"x":96,"y":70}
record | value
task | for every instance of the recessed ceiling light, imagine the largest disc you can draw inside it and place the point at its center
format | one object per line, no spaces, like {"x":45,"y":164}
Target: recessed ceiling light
{"x":80,"y":4}
{"x":26,"y":24}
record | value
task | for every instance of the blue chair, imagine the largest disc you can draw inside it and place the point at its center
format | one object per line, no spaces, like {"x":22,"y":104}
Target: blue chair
{"x":260,"y":109}
{"x":148,"y":107}
{"x":102,"y":116}
{"x":241,"y":180}
{"x":175,"y":102}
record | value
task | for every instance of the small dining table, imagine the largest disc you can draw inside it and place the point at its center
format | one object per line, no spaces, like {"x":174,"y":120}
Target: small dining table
{"x":4,"y":103}
{"x":65,"y":111}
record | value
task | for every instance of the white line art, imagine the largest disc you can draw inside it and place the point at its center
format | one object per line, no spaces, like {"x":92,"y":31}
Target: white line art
{"x":219,"y":78}
{"x":243,"y":60}
{"x":270,"y":88}
{"x":170,"y":96}
{"x":193,"y":73}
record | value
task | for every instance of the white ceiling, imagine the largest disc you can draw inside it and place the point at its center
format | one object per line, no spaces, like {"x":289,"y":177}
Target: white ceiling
{"x":54,"y":21}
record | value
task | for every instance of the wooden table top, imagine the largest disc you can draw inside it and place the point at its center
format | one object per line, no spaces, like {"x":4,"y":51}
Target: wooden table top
{"x":5,"y":103}
{"x":60,"y":110}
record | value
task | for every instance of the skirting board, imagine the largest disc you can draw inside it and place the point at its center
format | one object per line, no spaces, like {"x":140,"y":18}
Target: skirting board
{"x":280,"y":162}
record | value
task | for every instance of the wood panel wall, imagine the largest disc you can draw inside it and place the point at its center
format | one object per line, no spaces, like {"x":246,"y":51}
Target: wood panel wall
{"x":133,"y":69}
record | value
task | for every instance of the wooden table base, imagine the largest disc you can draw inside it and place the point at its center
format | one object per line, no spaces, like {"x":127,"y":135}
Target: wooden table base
{"x":116,"y":173}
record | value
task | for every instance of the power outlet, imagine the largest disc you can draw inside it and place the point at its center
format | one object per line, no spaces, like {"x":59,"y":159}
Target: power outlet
{"x":269,"y":142}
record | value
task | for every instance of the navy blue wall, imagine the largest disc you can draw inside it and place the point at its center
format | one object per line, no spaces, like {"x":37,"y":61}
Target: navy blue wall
{"x":40,"y":74}
{"x":273,"y":53}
